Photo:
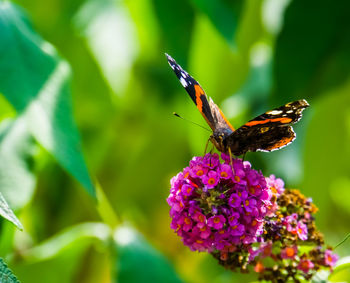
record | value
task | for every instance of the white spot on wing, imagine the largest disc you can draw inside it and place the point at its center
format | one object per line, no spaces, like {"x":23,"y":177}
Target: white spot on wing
{"x":183,"y":82}
{"x":274,"y":112}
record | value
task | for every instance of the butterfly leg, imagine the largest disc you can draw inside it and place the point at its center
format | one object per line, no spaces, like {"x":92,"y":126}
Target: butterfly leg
{"x":206,"y":147}
{"x":231,"y":162}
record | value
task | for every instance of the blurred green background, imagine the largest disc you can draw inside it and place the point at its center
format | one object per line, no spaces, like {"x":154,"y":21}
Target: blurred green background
{"x":86,"y":88}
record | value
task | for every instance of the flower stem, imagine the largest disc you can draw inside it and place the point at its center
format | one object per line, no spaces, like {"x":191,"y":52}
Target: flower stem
{"x":346,"y":237}
{"x":105,"y":209}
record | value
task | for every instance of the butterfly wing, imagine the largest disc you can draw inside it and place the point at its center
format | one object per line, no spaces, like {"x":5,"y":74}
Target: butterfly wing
{"x":210,"y":111}
{"x":269,"y":131}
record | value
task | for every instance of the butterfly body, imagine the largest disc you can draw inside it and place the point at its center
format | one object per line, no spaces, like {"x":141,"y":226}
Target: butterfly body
{"x":267,"y":132}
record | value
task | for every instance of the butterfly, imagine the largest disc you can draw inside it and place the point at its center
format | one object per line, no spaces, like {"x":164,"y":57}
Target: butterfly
{"x":267,"y":132}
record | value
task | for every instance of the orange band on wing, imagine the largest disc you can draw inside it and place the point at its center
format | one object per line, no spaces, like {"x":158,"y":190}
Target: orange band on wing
{"x":199,"y":91}
{"x":281,"y":143}
{"x":283,"y":120}
{"x":199,"y":103}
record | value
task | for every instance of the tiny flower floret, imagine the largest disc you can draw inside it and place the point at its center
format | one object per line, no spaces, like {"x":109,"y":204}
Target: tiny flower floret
{"x":289,"y":252}
{"x":305,"y":265}
{"x":330,"y":258}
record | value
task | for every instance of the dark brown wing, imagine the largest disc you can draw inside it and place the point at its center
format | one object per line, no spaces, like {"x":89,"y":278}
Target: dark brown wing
{"x":267,"y":132}
{"x":210,"y":111}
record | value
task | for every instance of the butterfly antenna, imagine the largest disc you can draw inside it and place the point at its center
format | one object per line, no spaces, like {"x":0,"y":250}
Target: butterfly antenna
{"x":177,"y":115}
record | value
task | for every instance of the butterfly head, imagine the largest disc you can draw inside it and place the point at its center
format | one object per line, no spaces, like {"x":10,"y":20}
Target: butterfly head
{"x":218,"y":138}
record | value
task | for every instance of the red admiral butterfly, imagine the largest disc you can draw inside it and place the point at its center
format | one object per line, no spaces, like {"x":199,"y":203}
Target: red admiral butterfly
{"x":267,"y":132}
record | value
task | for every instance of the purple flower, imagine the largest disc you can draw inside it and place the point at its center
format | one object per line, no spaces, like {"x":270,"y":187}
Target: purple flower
{"x":198,"y":171}
{"x":204,"y":232}
{"x":330,"y":258}
{"x":265,"y":195}
{"x":211,"y":160}
{"x":253,"y":177}
{"x":256,"y":227}
{"x":234,"y":200}
{"x":275,"y":185}
{"x":237,"y":230}
{"x":255,"y":190}
{"x":305,"y":265}
{"x":199,"y":218}
{"x":253,"y":253}
{"x":211,"y":180}
{"x":239,"y":173}
{"x":242,"y":193}
{"x":249,"y":204}
{"x":216,"y":221}
{"x":233,"y":218}
{"x":186,"y":223}
{"x":290,"y":222}
{"x":264,"y":250}
{"x":225,"y":171}
{"x":301,"y":231}
{"x":221,"y":234}
{"x":186,"y":189}
{"x":248,"y":239}
{"x":197,"y":160}
{"x":199,"y":245}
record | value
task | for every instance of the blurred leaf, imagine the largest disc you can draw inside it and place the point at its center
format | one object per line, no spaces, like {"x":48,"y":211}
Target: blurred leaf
{"x":111,"y":37}
{"x":340,"y":193}
{"x":313,"y":49}
{"x":137,"y":261}
{"x":6,"y":212}
{"x":143,"y":16}
{"x":17,"y":149}
{"x":257,"y":87}
{"x":326,"y":158}
{"x":6,"y":275}
{"x":60,"y":258}
{"x":223,"y":14}
{"x":175,"y":21}
{"x":73,"y":236}
{"x":341,"y":272}
{"x":36,"y":81}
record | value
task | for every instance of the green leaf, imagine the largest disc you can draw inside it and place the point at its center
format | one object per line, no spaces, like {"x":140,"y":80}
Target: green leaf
{"x":69,"y":238}
{"x":322,"y":154}
{"x":137,"y":261}
{"x":104,"y":23}
{"x":17,"y":149}
{"x":313,"y":49}
{"x":224,"y":15}
{"x":6,"y":275}
{"x":341,"y":272}
{"x":61,"y":257}
{"x":175,"y":20}
{"x":37,"y":84}
{"x":6,"y":212}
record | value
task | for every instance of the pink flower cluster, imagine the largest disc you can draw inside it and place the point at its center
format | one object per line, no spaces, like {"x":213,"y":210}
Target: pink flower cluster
{"x":216,"y":205}
{"x":295,"y":227}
